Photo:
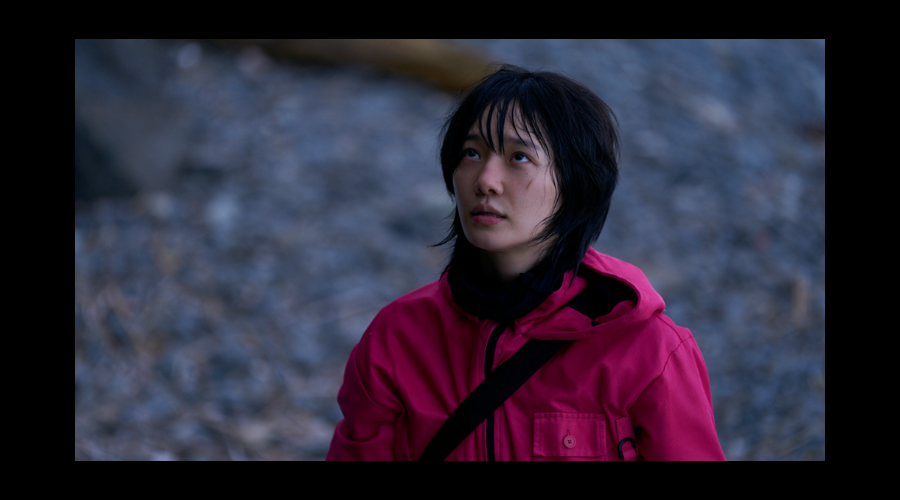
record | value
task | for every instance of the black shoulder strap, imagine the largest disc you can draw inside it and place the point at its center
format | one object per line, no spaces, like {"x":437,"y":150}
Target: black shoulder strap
{"x":489,"y":395}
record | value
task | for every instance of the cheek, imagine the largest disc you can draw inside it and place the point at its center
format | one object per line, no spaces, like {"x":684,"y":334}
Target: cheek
{"x":458,"y":196}
{"x":462,"y":182}
{"x":542,"y":189}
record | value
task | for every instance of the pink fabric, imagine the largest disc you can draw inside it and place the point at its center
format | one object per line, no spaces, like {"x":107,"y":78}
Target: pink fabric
{"x":422,"y":355}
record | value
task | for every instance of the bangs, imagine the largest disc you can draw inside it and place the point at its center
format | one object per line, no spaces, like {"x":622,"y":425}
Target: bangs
{"x":492,"y":114}
{"x":487,"y":109}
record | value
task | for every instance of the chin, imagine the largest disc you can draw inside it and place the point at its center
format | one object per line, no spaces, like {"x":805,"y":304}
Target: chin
{"x":486,"y":242}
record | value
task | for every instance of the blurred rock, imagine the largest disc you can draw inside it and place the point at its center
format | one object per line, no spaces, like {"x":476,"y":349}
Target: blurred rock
{"x":128,"y":135}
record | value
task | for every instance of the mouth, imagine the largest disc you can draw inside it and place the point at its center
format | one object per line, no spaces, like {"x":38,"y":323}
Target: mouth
{"x":486,"y":210}
{"x":485,"y":217}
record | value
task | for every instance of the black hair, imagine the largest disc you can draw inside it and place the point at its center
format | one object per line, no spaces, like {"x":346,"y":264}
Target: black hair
{"x":575,"y":126}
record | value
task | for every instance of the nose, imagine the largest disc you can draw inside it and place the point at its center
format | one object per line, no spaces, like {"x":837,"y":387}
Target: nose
{"x":490,"y":177}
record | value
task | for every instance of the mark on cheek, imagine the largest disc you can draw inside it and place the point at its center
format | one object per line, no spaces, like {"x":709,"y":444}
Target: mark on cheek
{"x":529,"y":184}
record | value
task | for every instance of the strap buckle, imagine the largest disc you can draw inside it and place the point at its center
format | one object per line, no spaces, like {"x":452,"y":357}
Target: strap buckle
{"x":622,"y":443}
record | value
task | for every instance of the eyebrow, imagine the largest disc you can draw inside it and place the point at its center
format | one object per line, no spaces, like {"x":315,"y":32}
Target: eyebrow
{"x":508,"y":138}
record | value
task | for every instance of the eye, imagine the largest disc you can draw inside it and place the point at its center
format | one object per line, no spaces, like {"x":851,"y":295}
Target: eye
{"x":519,"y":157}
{"x":471,"y":154}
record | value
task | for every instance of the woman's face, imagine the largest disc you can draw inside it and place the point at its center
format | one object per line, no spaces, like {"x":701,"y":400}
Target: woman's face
{"x":504,"y":199}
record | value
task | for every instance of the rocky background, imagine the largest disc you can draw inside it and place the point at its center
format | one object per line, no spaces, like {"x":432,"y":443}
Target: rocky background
{"x":240,"y":218}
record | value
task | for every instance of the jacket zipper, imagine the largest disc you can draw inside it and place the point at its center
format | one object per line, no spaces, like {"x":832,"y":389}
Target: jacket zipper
{"x":488,"y":368}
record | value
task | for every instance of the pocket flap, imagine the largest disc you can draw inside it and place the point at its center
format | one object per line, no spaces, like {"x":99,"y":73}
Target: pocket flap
{"x":558,"y":434}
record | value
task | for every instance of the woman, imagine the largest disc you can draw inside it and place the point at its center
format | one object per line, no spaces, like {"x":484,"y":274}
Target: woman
{"x":531,"y":161}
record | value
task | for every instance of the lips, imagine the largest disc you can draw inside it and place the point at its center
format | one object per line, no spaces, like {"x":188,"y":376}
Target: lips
{"x":487,"y":215}
{"x":487,"y":210}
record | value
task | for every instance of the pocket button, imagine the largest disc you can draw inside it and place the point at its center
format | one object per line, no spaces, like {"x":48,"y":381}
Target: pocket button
{"x":569,"y":442}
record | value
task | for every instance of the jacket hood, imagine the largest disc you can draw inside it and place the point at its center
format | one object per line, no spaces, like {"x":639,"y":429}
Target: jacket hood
{"x":622,"y":287}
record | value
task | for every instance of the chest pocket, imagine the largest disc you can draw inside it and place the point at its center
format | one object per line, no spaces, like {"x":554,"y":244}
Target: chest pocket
{"x":573,"y":436}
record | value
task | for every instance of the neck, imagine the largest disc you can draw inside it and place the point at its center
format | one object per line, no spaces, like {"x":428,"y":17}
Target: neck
{"x":497,"y":291}
{"x":507,"y":267}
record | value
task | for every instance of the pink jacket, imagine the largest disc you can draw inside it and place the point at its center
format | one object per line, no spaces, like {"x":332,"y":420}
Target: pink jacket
{"x":634,"y":375}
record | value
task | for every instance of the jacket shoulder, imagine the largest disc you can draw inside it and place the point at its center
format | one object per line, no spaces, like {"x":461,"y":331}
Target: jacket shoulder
{"x":426,"y":296}
{"x":395,"y":328}
{"x":648,"y":345}
{"x":660,"y":329}
{"x":412,"y":311}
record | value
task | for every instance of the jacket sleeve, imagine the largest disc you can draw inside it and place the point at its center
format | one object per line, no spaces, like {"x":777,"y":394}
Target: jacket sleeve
{"x":673,"y":417}
{"x":368,"y":428}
